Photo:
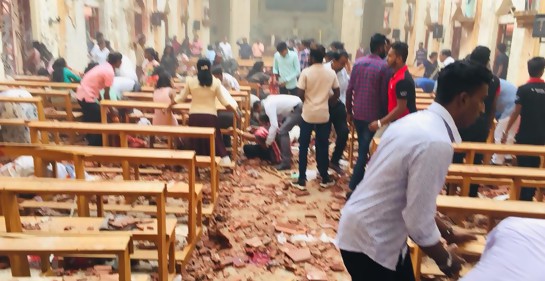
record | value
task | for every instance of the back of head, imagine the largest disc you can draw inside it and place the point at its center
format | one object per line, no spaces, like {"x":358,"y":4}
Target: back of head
{"x":282,"y":46}
{"x":337,"y":45}
{"x":153,"y":53}
{"x":317,"y":55}
{"x":377,"y":41}
{"x":217,"y":70}
{"x":203,"y":73}
{"x":306,"y":43}
{"x":446,"y":52}
{"x":536,"y":67}
{"x":401,"y":49}
{"x":331,"y":55}
{"x":58,"y":70}
{"x":459,"y":77}
{"x":90,"y":66}
{"x":164,"y":80}
{"x":433,"y":55}
{"x":480,"y":55}
{"x":502,"y":47}
{"x":114,"y":58}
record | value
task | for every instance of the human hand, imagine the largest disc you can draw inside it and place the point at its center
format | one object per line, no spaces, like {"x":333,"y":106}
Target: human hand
{"x":349,"y":118}
{"x":504,"y":138}
{"x":454,"y":264}
{"x":373,"y":127}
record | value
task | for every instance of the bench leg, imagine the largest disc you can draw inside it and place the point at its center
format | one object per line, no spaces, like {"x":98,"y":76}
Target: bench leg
{"x":44,"y":263}
{"x":124,"y":269}
{"x":465,"y":186}
{"x":172,"y":253}
{"x":19,"y":263}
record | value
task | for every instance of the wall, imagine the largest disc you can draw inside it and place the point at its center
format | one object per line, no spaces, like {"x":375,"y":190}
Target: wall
{"x":240,"y":23}
{"x":352,"y":12}
{"x":44,"y":30}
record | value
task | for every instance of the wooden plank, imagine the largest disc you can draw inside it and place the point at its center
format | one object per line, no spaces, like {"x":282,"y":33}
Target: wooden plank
{"x":40,"y":84}
{"x":147,"y":209}
{"x":497,"y":209}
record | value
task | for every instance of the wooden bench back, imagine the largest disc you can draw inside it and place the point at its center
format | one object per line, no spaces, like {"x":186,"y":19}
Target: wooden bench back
{"x":39,"y":84}
{"x":37,"y":101}
{"x":33,"y":78}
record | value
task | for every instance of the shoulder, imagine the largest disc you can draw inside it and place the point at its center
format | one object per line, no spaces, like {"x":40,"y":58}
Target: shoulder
{"x":216,"y":83}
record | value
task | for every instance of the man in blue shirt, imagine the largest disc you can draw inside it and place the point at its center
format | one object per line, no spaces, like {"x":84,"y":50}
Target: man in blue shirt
{"x":286,"y":68}
{"x":504,"y":107}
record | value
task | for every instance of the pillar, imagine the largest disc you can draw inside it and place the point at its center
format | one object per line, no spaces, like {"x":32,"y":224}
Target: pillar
{"x":240,"y":23}
{"x":418,"y":33}
{"x":352,"y":12}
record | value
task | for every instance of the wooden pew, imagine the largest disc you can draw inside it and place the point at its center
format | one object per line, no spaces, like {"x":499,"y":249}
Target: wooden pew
{"x":11,"y":187}
{"x":34,"y":78}
{"x":124,"y":130}
{"x":40,"y":84}
{"x":37,"y":101}
{"x":472,"y":148}
{"x":62,"y":245}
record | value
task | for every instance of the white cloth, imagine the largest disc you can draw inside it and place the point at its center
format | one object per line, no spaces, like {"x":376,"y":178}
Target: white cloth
{"x":99,"y":56}
{"x":278,"y":107}
{"x":127,"y":69}
{"x":227,"y":96}
{"x":515,"y":250}
{"x":121,"y":85}
{"x":227,"y":50}
{"x":397,"y":196}
{"x":230,"y":82}
{"x":448,"y":61}
{"x":344,"y":80}
{"x":499,"y":159}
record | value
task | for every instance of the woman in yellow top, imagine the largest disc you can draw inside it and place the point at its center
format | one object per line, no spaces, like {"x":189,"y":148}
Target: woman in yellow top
{"x":205,"y":89}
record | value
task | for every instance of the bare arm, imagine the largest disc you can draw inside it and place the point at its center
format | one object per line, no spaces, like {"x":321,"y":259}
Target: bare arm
{"x":514,"y":115}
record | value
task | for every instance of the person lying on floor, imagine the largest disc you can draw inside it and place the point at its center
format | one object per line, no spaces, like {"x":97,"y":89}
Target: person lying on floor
{"x":260,"y":149}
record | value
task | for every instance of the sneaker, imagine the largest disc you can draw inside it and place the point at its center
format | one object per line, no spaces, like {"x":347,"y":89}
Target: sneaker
{"x":299,"y":185}
{"x":282,"y":167}
{"x":337,"y":168}
{"x":327,"y":184}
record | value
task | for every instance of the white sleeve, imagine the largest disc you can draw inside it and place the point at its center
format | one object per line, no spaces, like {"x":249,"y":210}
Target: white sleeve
{"x":273,"y":119}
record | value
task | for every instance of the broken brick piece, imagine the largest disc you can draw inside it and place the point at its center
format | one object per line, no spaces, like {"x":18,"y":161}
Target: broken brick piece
{"x":254,"y":242}
{"x":316,"y":275}
{"x":289,"y":228}
{"x":299,"y":255}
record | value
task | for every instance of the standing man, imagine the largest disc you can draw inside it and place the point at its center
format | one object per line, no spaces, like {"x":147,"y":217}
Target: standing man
{"x":337,"y":112}
{"x":286,"y":109}
{"x":479,"y":131}
{"x":196,"y":46}
{"x":245,"y":51}
{"x":421,"y":54}
{"x":314,"y":85}
{"x":501,"y":63}
{"x":504,"y":107}
{"x":304,"y":53}
{"x":286,"y":68}
{"x":530,"y":103}
{"x":431,"y":67}
{"x":401,"y":89}
{"x":446,"y":57}
{"x":226,"y":49}
{"x":257,"y":49}
{"x":367,"y":99}
{"x":397,"y":198}
{"x":88,"y":93}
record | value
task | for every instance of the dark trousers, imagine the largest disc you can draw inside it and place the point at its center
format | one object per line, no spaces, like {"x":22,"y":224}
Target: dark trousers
{"x":363,"y":268}
{"x":286,"y":91}
{"x":91,"y":114}
{"x":257,"y":151}
{"x":459,"y":159}
{"x":365,"y":136}
{"x":322,"y":151}
{"x":337,"y":117}
{"x":202,"y":146}
{"x":527,"y":193}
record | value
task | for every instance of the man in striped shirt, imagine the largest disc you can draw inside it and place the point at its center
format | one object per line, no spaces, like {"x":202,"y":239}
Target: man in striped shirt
{"x":367,"y":99}
{"x":397,"y":197}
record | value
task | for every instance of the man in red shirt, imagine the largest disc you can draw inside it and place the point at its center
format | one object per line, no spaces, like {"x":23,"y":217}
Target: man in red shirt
{"x":401,"y":88}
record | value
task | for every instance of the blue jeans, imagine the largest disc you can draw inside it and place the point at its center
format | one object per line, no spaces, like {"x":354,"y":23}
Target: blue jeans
{"x":322,"y":149}
{"x":365,"y":136}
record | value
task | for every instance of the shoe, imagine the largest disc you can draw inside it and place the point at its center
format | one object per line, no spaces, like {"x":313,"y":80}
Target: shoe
{"x":299,"y":185}
{"x":327,"y":184}
{"x":337,"y":168}
{"x":282,"y":167}
{"x":225,"y":161}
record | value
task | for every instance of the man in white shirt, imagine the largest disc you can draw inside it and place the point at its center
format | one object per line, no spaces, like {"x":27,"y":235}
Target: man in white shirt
{"x":397,"y":197}
{"x":515,"y":250}
{"x":446,"y":57}
{"x":226,"y":49}
{"x":337,"y":113}
{"x":286,"y":109}
{"x":314,"y":85}
{"x":227,"y":80}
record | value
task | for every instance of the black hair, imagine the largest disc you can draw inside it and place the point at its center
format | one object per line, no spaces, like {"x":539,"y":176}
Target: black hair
{"x":90,"y":66}
{"x":115,"y":57}
{"x":433,"y":54}
{"x":264,"y":118}
{"x":480,"y":55}
{"x":217,"y":70}
{"x":458,"y":77}
{"x":536,"y":66}
{"x":167,"y":47}
{"x":158,"y":70}
{"x":306,"y":43}
{"x":401,"y":49}
{"x":204,"y":74}
{"x":343,"y":54}
{"x":164,"y":80}
{"x":332,"y":55}
{"x":502,"y":47}
{"x":317,"y":55}
{"x":255,"y":105}
{"x":337,"y":45}
{"x":378,"y":40}
{"x":153,"y":53}
{"x":210,"y":48}
{"x":58,"y":70}
{"x":281,"y":47}
{"x":257,"y":68}
{"x":42,"y":72}
{"x":446,"y":52}
{"x":45,"y":54}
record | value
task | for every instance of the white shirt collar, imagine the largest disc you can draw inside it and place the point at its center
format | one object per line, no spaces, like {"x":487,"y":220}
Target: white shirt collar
{"x":441,"y":111}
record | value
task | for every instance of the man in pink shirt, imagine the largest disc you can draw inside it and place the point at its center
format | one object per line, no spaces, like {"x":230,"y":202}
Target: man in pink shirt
{"x":98,"y":78}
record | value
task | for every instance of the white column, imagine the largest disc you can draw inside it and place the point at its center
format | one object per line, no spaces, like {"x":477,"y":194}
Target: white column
{"x":240,"y":23}
{"x":351,"y":25}
{"x":76,"y":37}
